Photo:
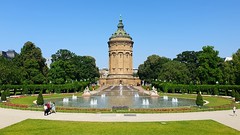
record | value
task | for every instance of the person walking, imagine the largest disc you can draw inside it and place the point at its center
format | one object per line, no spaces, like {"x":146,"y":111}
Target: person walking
{"x":45,"y":110}
{"x":234,"y":111}
{"x":53,"y":107}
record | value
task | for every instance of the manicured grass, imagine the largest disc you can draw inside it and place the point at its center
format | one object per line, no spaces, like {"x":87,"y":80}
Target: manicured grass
{"x":42,"y":127}
{"x":215,"y":103}
{"x":213,"y":100}
{"x":28,"y":100}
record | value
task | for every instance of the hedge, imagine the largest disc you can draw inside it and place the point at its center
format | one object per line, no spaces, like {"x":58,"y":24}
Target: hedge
{"x":45,"y":88}
{"x":225,"y":90}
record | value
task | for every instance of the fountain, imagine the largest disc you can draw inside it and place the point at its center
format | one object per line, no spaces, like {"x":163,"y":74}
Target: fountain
{"x":136,"y":95}
{"x":153,"y":92}
{"x":122,"y":96}
{"x":145,"y":102}
{"x":120,"y":88}
{"x":74,"y":97}
{"x":174,"y":100}
{"x":165,"y":97}
{"x":103,"y":95}
{"x":93,"y":102}
{"x":86,"y":92}
{"x":65,"y":100}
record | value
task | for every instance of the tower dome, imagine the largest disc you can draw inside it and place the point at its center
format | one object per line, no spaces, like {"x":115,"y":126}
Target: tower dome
{"x":120,"y":31}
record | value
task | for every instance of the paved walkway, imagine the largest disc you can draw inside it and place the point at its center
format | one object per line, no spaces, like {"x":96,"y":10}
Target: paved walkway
{"x":11,"y":116}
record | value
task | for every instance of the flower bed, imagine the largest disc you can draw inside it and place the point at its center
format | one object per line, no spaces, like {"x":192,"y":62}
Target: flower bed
{"x":120,"y":108}
{"x":72,"y":109}
{"x":166,"y":110}
{"x":9,"y":104}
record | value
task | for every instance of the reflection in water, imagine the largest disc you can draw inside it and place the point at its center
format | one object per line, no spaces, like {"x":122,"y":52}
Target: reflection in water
{"x":125,"y":96}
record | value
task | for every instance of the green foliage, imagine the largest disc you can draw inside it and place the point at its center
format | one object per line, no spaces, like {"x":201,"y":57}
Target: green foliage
{"x":10,"y":72}
{"x":175,"y":72}
{"x":228,"y":72}
{"x":236,"y":66}
{"x":233,"y":93}
{"x":237,"y":96}
{"x":68,"y":67}
{"x":40,"y":100}
{"x":7,"y":92}
{"x":203,"y":67}
{"x":199,"y":99}
{"x":32,"y":63}
{"x":3,"y":96}
{"x":151,"y":67}
{"x":189,"y":58}
{"x":208,"y":70}
{"x":215,"y":91}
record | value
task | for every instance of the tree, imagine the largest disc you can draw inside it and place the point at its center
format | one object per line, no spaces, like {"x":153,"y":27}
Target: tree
{"x":228,"y":72}
{"x":236,"y":66}
{"x":40,"y":100}
{"x":208,"y":70}
{"x":233,"y":93}
{"x":174,"y":71}
{"x":68,"y":67}
{"x":33,"y":64}
{"x":237,"y":96}
{"x":3,"y":96}
{"x":151,"y":67}
{"x":10,"y":73}
{"x":190,"y":59}
{"x":62,"y":54}
{"x":85,"y":67}
{"x":199,"y":99}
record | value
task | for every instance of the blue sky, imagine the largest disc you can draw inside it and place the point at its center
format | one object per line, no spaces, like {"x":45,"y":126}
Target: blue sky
{"x":162,"y":27}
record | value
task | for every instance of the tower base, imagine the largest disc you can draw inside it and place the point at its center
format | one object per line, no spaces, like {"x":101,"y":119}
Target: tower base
{"x":117,"y":80}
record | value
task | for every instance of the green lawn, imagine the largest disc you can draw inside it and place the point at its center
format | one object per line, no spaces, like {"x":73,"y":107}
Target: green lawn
{"x":213,"y":100}
{"x":29,"y":99}
{"x":42,"y":127}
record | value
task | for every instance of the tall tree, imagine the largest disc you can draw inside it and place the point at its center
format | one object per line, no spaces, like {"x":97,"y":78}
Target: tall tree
{"x":151,"y":67}
{"x":68,"y":67}
{"x":228,"y":72}
{"x":10,"y":73}
{"x":174,"y":71}
{"x":190,"y":59}
{"x":63,"y":54}
{"x":208,"y":70}
{"x":33,"y":63}
{"x":236,"y":66}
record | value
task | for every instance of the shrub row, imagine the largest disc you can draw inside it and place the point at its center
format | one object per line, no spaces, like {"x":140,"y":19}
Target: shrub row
{"x":226,"y":90}
{"x":45,"y":88}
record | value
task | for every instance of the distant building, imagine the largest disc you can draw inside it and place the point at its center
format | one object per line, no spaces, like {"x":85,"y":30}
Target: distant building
{"x":104,"y":72}
{"x":48,"y":62}
{"x":135,"y":70}
{"x":10,"y":54}
{"x":228,"y":59}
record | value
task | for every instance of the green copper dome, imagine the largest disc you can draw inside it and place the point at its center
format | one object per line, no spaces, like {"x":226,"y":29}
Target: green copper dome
{"x":120,"y":31}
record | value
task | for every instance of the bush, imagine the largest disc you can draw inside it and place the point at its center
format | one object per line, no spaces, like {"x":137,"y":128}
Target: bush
{"x":199,"y":100}
{"x":40,"y":100}
{"x":3,"y":96}
{"x":7,"y":93}
{"x":215,"y":91}
{"x":233,"y":93}
{"x":237,"y":97}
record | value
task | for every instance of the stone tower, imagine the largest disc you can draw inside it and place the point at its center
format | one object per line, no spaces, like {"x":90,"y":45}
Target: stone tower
{"x":120,"y":46}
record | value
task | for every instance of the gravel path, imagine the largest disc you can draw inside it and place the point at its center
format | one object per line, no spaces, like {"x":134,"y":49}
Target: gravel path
{"x":11,"y":116}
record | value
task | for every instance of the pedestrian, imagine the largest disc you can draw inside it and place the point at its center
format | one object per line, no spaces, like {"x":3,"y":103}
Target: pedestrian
{"x":48,"y":108}
{"x":234,"y":111}
{"x":45,"y":110}
{"x":53,"y":108}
